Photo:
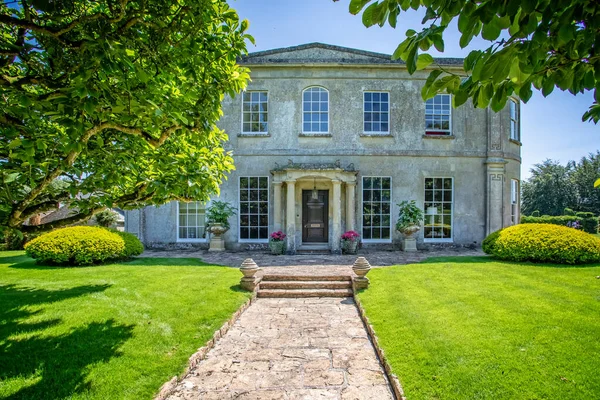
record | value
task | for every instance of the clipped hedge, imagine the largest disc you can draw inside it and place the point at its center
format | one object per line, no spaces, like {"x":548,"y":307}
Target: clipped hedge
{"x":83,"y":245}
{"x":587,"y":221}
{"x":543,"y":243}
{"x":133,"y":246}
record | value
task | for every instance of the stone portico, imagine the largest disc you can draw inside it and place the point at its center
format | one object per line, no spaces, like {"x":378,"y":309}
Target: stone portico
{"x":294,"y":179}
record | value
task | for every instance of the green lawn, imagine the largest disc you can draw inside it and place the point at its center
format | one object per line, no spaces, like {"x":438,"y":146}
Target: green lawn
{"x":106,"y":332}
{"x":474,"y":328}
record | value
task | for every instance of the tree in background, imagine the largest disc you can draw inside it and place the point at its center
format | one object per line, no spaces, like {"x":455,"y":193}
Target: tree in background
{"x":554,"y":187}
{"x":539,"y":44}
{"x":549,"y":190}
{"x":583,"y":176}
{"x":113,"y":103}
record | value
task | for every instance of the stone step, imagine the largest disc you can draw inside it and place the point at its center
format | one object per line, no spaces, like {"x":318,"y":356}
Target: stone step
{"x":306,"y":285}
{"x":299,"y":293}
{"x":320,"y":278}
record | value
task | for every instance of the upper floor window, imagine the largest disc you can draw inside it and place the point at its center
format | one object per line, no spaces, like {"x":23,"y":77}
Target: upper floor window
{"x":254,"y":112}
{"x":315,"y":110}
{"x":438,"y":115}
{"x":376,"y":115}
{"x":515,"y":133}
{"x":191,"y":221}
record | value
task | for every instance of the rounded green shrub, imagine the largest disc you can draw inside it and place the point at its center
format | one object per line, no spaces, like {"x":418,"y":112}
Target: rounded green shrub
{"x":78,"y":245}
{"x":544,"y":243}
{"x":488,"y":243}
{"x":133,"y":246}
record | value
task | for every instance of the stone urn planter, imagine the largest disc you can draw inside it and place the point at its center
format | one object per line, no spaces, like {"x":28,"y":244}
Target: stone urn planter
{"x":361,"y":268}
{"x":409,"y":223}
{"x":217,"y":243}
{"x":277,"y":247}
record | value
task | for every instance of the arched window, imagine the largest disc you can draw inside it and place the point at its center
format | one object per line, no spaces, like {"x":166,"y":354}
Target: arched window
{"x":315,"y":110}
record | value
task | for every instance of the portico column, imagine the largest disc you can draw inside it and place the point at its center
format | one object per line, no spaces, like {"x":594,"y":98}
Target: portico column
{"x":276,"y":206}
{"x":350,"y":186}
{"x":291,"y":216}
{"x":495,"y":194}
{"x":337,"y":216}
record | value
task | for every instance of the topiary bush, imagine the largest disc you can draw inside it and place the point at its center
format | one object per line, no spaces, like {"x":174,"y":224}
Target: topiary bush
{"x":543,"y":243}
{"x":78,"y":245}
{"x":489,"y":242}
{"x":133,"y":246}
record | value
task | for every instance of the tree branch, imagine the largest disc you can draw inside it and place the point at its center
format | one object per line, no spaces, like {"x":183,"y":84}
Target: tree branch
{"x":80,"y":217}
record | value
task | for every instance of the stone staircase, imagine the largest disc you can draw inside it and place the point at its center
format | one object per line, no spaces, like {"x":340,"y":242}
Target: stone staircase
{"x":295,"y":286}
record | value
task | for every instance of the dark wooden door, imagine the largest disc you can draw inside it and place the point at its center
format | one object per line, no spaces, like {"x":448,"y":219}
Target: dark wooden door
{"x":315,"y":221}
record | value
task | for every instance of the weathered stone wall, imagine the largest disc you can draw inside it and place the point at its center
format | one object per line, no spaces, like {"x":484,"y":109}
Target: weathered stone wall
{"x":405,"y":154}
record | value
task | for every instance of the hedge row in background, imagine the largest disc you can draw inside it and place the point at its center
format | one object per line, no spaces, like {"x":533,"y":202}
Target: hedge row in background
{"x":543,"y":243}
{"x":587,"y":221}
{"x":83,"y":245}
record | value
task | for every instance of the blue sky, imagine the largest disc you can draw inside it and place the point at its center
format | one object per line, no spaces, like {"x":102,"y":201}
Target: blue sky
{"x":550,"y":127}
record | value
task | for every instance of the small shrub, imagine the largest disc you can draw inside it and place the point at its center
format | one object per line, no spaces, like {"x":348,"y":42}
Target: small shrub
{"x":585,"y":214}
{"x":544,"y":243}
{"x":584,"y":221}
{"x":133,"y":246}
{"x":536,"y":213}
{"x":79,"y":245}
{"x":106,"y":218}
{"x":568,"y":211}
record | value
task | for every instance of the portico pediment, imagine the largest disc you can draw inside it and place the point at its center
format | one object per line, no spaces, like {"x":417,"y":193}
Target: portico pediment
{"x":333,"y":171}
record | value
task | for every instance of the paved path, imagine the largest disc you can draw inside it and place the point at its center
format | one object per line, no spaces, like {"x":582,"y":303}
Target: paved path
{"x":291,"y":349}
{"x":319,"y":262}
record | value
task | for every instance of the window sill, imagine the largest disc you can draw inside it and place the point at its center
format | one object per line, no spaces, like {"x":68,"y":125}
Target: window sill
{"x":254,"y":134}
{"x":253,"y":240}
{"x":517,"y":142}
{"x":376,"y":241}
{"x":425,"y":240}
{"x":378,"y":135}
{"x":192,"y":240}
{"x":439,"y":136}
{"x":315,"y":135}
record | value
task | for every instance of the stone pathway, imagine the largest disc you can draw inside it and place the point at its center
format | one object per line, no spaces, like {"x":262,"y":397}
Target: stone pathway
{"x":291,"y":349}
{"x":319,"y":262}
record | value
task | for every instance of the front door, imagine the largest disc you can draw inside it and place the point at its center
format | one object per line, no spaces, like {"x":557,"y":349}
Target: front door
{"x":315,"y":221}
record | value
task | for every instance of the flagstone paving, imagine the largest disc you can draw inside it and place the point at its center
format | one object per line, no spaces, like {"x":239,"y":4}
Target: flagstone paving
{"x":291,"y":349}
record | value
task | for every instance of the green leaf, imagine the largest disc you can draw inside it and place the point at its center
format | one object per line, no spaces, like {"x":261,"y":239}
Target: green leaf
{"x":130,"y":52}
{"x":491,"y":30}
{"x":401,"y":49}
{"x":547,"y":86}
{"x":411,"y":32}
{"x":597,"y":183}
{"x":423,"y":61}
{"x":244,"y":25}
{"x":357,"y":5}
{"x":525,"y":92}
{"x":411,"y":59}
{"x":11,"y":177}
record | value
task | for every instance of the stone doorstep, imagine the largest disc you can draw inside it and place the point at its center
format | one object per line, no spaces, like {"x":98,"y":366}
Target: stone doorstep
{"x":282,"y":277}
{"x":305,"y":285}
{"x":300,"y":293}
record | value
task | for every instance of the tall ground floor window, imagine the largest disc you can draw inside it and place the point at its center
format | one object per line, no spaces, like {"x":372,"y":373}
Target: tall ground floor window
{"x":514,"y":201}
{"x":254,"y":208}
{"x":376,"y":208}
{"x":439,"y":198}
{"x":192,"y":221}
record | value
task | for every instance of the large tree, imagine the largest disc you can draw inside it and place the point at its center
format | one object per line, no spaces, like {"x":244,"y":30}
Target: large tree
{"x":539,"y":44}
{"x":583,"y":176}
{"x":550,"y":189}
{"x":113,"y":103}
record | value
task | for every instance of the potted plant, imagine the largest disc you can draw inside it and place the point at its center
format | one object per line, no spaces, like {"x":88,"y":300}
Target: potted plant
{"x":217,"y":217}
{"x":350,"y":241}
{"x":409,"y":223}
{"x":277,"y":242}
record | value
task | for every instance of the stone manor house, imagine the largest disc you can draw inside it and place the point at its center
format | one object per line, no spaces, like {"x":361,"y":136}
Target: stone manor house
{"x":328,"y":139}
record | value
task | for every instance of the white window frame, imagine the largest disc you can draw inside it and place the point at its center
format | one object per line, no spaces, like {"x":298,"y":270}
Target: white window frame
{"x":514,"y":201}
{"x":197,"y":240}
{"x":250,"y":133}
{"x":439,"y":240}
{"x":377,"y":133}
{"x":239,"y":213}
{"x":514,"y":120}
{"x":328,"y":112}
{"x":447,"y":132}
{"x":362,"y":182}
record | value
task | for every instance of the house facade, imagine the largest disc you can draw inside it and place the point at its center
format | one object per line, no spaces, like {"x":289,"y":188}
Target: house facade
{"x":329,"y":139}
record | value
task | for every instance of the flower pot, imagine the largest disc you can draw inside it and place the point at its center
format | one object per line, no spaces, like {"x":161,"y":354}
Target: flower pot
{"x":217,"y":243}
{"x":277,"y":247}
{"x":410,"y":230}
{"x":349,"y":246}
